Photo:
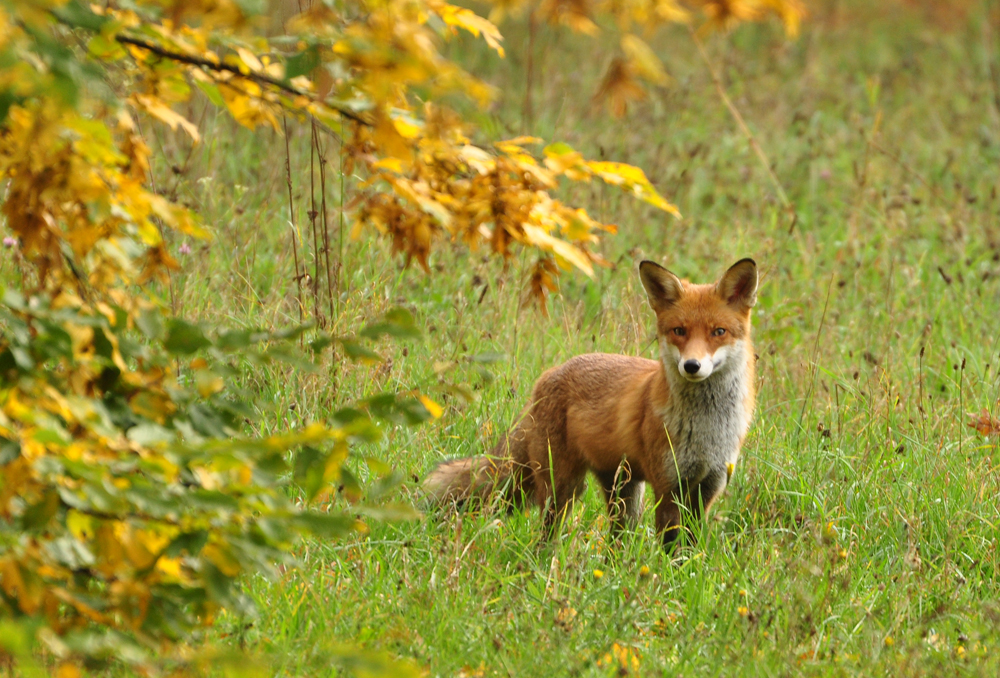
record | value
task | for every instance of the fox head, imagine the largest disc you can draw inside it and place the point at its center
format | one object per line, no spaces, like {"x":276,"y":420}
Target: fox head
{"x":702,"y":329}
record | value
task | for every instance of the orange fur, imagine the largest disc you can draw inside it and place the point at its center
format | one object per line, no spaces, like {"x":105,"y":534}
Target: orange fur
{"x":676,"y":423}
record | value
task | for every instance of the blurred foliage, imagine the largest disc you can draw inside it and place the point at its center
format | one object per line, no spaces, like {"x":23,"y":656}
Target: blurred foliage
{"x":130,"y":500}
{"x":636,"y":67}
{"x":131,"y":497}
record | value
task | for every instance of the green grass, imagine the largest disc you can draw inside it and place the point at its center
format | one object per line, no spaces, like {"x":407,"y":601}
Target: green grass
{"x":859,"y":535}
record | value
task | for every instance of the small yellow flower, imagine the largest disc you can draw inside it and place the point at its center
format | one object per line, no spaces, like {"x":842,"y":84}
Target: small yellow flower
{"x":743,"y":592}
{"x":644,"y":571}
{"x":842,"y":553}
{"x":889,"y":642}
{"x":598,"y":574}
{"x":743,"y":610}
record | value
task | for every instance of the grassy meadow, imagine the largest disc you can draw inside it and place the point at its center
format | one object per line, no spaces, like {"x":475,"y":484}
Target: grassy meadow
{"x":859,"y":535}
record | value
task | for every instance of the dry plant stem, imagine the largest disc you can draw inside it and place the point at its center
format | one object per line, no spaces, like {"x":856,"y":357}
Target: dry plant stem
{"x":326,"y":226}
{"x":991,"y":58}
{"x":717,"y":81}
{"x":313,"y":213}
{"x":961,"y":404}
{"x":528,"y":113}
{"x":291,"y":218}
{"x":815,"y":352}
{"x":933,"y":190}
{"x":159,"y":227}
{"x":340,"y":229}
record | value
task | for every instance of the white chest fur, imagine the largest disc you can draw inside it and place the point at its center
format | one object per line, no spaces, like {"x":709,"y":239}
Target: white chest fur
{"x":706,"y":420}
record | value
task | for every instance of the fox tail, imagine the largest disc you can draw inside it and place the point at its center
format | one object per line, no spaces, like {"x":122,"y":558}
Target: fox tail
{"x":459,"y":480}
{"x":502,"y":473}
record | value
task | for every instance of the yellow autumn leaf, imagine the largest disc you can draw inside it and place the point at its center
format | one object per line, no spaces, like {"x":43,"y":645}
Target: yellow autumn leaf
{"x":633,"y":180}
{"x":643,"y":60}
{"x":208,"y":383}
{"x":670,"y":10}
{"x":68,"y":670}
{"x":159,"y":110}
{"x":619,"y":87}
{"x":391,"y":164}
{"x":470,"y":21}
{"x":791,"y":13}
{"x":223,"y":559}
{"x":432,"y":407}
{"x":172,"y":568}
{"x":250,"y":59}
{"x":406,"y":128}
{"x":390,"y":142}
{"x":80,"y":525}
{"x":563,"y":250}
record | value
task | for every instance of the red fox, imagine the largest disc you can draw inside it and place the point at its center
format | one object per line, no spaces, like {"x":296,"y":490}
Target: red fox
{"x":676,"y":423}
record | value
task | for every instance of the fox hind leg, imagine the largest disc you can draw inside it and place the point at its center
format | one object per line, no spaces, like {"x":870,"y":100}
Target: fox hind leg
{"x":623,"y":491}
{"x":569,"y":483}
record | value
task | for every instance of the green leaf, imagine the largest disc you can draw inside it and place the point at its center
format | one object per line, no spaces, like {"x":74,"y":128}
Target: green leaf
{"x":398,"y":322}
{"x":183,"y":338}
{"x":9,"y":450}
{"x":237,"y":339}
{"x":391,"y":511}
{"x":488,"y":358}
{"x":310,"y":465}
{"x":405,"y":411}
{"x":302,"y":63}
{"x":211,"y":500}
{"x":356,"y":351}
{"x":252,"y":8}
{"x":558,"y":148}
{"x":290,"y":356}
{"x":320,"y":342}
{"x":106,"y":48}
{"x":150,"y":322}
{"x":14,"y":299}
{"x":212,"y":92}
{"x":372,"y":664}
{"x":291,"y":333}
{"x":22,"y":358}
{"x":79,"y":15}
{"x":37,"y":516}
{"x":189,"y":543}
{"x":150,"y":434}
{"x":324,"y":525}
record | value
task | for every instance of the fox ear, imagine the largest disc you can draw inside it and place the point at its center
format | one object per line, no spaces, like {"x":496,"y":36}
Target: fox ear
{"x":663,"y":288}
{"x":738,"y":286}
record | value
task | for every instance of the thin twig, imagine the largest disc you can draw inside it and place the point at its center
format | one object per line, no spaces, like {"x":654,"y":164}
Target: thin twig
{"x":528,"y":114}
{"x":326,"y":226}
{"x":191,"y":60}
{"x":815,"y":353}
{"x":313,"y":213}
{"x":291,"y":218}
{"x":906,"y":168}
{"x":741,"y":122}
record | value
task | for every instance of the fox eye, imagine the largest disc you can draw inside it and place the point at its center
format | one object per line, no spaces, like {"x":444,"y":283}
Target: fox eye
{"x":718,"y":331}
{"x":680,"y":331}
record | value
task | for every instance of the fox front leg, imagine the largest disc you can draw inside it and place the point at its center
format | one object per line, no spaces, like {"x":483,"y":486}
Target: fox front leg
{"x":692,"y":499}
{"x":668,"y":518}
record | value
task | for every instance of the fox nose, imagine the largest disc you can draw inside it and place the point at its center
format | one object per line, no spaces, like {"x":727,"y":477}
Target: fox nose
{"x":692,"y":366}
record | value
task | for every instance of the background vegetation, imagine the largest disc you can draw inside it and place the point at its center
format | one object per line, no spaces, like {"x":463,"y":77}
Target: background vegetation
{"x":859,"y":535}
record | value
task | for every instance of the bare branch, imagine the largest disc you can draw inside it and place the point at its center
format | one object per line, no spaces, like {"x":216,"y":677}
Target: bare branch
{"x":191,"y":60}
